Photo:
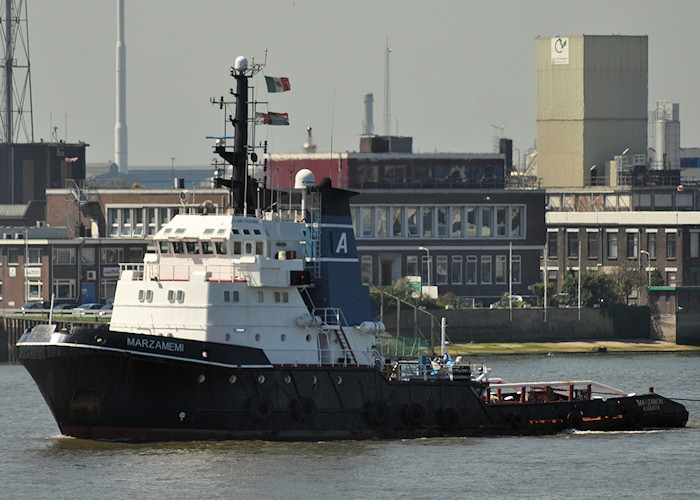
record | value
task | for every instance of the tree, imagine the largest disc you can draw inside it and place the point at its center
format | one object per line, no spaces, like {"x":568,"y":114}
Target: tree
{"x":597,"y":287}
{"x":538,"y":289}
{"x":656,"y":278}
{"x":628,"y":276}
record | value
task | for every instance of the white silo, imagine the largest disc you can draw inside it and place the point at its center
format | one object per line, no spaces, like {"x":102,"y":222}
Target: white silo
{"x":667,"y":136}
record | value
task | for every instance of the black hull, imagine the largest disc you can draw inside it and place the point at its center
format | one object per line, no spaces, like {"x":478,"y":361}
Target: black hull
{"x":117,"y":393}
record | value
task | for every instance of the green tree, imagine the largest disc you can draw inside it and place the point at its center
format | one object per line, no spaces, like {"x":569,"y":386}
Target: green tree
{"x":656,"y":278}
{"x":628,"y":276}
{"x":538,"y":289}
{"x":597,"y":287}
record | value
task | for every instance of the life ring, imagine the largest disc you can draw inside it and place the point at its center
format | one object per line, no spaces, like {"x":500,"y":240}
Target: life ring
{"x":377,"y":412}
{"x":260,"y":408}
{"x":414,"y":413}
{"x":305,"y":409}
{"x":450,"y":418}
{"x":634,"y":420}
{"x":574,"y":420}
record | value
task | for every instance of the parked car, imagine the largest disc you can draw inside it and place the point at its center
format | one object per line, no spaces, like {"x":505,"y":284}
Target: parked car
{"x":91,"y":309}
{"x":35,"y":307}
{"x":106,"y":310}
{"x":63,"y":308}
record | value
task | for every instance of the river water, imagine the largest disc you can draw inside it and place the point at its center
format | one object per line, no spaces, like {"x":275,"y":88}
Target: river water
{"x":36,"y":462}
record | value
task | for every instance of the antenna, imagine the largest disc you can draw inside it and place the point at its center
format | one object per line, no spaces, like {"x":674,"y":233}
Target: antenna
{"x":16,"y":66}
{"x":387,"y":92}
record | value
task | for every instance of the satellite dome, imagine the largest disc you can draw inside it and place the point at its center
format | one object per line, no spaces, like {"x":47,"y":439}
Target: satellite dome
{"x":304,"y":178}
{"x":241,"y":63}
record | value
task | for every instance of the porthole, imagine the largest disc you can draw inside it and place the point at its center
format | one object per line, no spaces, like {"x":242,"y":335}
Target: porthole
{"x":201,"y":378}
{"x":149,"y":295}
{"x":228,"y":337}
{"x":232,"y":379}
{"x":205,"y":354}
{"x":287,"y":379}
{"x":339,"y":380}
{"x":308,"y":337}
{"x":140,"y":295}
{"x":257,"y":337}
{"x":227,"y":296}
{"x":314,"y":380}
{"x":261,"y":379}
{"x":180,"y":296}
{"x":283,"y":337}
{"x":171,"y":296}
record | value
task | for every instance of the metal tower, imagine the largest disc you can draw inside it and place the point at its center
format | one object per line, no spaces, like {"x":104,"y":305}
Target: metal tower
{"x":16,"y":104}
{"x":387,"y":93}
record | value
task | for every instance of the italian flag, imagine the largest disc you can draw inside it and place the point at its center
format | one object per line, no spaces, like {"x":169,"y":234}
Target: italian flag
{"x":275,"y":84}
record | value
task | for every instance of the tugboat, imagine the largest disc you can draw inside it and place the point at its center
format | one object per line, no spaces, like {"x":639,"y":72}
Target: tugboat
{"x":254,"y":324}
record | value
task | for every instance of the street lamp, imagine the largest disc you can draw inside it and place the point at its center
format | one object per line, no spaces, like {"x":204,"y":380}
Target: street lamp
{"x":648,"y":266}
{"x":429,"y":266}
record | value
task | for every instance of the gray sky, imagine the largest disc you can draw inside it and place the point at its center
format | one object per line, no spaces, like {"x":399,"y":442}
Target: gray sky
{"x":457,"y":68}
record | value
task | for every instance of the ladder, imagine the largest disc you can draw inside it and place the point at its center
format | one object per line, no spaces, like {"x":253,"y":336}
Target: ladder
{"x":313,"y":239}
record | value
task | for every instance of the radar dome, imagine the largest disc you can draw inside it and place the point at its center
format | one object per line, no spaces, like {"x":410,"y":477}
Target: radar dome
{"x":241,"y":63}
{"x":304,"y":178}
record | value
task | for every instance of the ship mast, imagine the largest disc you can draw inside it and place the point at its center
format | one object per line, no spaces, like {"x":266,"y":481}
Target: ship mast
{"x":241,"y":185}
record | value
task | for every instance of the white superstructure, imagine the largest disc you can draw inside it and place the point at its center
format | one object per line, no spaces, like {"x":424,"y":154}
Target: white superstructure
{"x":235,"y":280}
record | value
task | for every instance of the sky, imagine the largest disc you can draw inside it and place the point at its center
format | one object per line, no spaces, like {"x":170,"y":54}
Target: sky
{"x":459,"y":70}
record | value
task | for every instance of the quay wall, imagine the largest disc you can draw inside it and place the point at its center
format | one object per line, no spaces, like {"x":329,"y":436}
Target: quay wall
{"x":526,"y":325}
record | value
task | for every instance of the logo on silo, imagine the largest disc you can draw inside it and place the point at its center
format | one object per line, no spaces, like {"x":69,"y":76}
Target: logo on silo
{"x":560,"y":50}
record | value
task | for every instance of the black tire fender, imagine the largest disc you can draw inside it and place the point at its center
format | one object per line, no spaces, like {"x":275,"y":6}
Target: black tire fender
{"x":414,"y":413}
{"x":260,"y":408}
{"x":574,"y":420}
{"x":377,"y":412}
{"x":305,"y":409}
{"x":450,"y":419}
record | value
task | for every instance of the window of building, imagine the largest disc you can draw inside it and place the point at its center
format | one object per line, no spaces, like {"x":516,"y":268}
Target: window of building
{"x":113,"y":218}
{"x":651,"y":245}
{"x":471,"y":270}
{"x":441,"y":269}
{"x":516,"y":269}
{"x":397,"y":222}
{"x":412,"y":221}
{"x":87,"y":256}
{"x":35,"y":290}
{"x":612,"y":245}
{"x":500,"y":269}
{"x":486,"y":222}
{"x":412,"y":265}
{"x":694,"y":245}
{"x":127,"y":222}
{"x":164,"y":215}
{"x":63,"y":256}
{"x":428,"y":222}
{"x":366,"y":267}
{"x":552,"y":244}
{"x":516,"y":222}
{"x":694,"y":278}
{"x":34,"y":256}
{"x":109,"y":286}
{"x":457,"y":230}
{"x":12,"y":256}
{"x":632,"y":245}
{"x":471,"y":221}
{"x":111,"y":255}
{"x":671,"y":246}
{"x":572,"y":244}
{"x":425,"y":265}
{"x":486,"y":271}
{"x":382,"y":221}
{"x":152,"y":227}
{"x":456,"y":270}
{"x":354,"y":215}
{"x":442,"y":222}
{"x":367,"y":222}
{"x":592,"y":237}
{"x":135,"y":254}
{"x":138,"y":222}
{"x":64,"y":289}
{"x":501,"y":222}
{"x":670,"y":278}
